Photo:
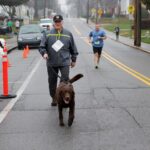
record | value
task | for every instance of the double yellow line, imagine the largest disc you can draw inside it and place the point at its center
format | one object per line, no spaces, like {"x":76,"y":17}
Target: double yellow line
{"x":132,"y":72}
{"x":127,"y":69}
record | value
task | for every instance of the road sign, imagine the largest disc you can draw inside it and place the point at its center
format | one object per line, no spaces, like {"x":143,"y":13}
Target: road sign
{"x":93,"y":10}
{"x":131,"y":9}
{"x":100,"y":12}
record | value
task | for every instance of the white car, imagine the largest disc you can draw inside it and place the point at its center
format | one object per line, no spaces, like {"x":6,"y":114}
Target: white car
{"x":45,"y":22}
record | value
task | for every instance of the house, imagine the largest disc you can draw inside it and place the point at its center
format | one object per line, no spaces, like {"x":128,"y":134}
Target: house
{"x":21,"y":11}
{"x":124,"y":6}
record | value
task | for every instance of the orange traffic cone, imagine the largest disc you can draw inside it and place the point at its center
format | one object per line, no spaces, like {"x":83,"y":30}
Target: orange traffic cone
{"x":24,"y":55}
{"x":27,"y":49}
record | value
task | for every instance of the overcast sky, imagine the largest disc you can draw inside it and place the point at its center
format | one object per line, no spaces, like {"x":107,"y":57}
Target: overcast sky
{"x":64,"y":6}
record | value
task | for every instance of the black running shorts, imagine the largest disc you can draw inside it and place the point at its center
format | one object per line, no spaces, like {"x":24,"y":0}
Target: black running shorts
{"x":97,"y":50}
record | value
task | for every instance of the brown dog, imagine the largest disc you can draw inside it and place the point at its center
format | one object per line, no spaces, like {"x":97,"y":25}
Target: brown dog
{"x":65,"y":97}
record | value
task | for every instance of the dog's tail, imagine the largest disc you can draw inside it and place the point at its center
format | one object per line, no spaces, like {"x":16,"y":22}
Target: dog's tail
{"x":75,"y":78}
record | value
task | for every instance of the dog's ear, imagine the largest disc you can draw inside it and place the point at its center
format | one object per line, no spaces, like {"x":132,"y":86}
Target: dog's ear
{"x":58,"y":94}
{"x":58,"y":97}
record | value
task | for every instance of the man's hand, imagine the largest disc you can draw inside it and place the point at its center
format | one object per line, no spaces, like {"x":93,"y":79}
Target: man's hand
{"x":45,"y":56}
{"x":73,"y":64}
{"x":90,"y":41}
{"x":102,"y":38}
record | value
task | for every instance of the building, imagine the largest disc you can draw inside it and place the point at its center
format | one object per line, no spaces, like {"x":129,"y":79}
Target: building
{"x":21,"y":11}
{"x":124,"y":6}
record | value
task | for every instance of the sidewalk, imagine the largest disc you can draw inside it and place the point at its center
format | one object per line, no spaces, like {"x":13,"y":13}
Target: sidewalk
{"x":130,"y":42}
{"x":125,"y":40}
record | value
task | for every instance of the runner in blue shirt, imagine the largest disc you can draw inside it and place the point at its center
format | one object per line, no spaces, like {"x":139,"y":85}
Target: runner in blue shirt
{"x":97,"y":37}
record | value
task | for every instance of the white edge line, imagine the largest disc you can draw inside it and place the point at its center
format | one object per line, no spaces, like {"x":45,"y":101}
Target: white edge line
{"x":12,"y":102}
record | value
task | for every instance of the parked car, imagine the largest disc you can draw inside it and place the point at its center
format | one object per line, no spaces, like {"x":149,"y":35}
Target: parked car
{"x":46,"y":22}
{"x":29,"y":35}
{"x":3,"y":29}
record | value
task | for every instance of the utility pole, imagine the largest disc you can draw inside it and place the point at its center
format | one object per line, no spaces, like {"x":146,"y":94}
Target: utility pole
{"x":119,"y":11}
{"x":44,"y":8}
{"x":79,"y":9}
{"x":87,"y":17}
{"x":137,"y":23}
{"x":36,"y":9}
{"x":20,"y":12}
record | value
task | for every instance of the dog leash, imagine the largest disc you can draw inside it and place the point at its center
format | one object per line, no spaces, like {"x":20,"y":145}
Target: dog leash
{"x":56,"y":73}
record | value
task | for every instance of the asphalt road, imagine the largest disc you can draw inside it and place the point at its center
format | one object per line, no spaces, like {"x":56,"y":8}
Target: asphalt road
{"x":112,"y":102}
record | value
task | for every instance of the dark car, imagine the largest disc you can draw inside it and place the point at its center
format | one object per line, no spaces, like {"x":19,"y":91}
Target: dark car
{"x":29,"y":35}
{"x":3,"y":29}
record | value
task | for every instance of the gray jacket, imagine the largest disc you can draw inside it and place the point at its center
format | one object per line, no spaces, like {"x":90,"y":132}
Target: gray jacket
{"x":66,"y":54}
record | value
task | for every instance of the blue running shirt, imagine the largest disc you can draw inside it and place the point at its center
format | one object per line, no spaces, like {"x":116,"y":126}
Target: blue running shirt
{"x":96,"y":41}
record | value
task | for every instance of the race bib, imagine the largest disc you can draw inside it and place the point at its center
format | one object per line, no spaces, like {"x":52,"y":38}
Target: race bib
{"x":57,"y":45}
{"x":97,"y":42}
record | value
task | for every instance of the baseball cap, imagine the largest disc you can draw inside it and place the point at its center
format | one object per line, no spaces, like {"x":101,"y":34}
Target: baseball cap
{"x":57,"y":18}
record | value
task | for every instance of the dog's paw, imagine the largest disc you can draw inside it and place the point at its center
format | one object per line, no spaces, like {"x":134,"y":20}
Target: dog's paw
{"x":70,"y":121}
{"x":61,"y":124}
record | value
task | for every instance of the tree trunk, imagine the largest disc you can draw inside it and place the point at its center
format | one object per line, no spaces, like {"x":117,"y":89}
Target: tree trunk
{"x":36,"y":9}
{"x":137,"y":23}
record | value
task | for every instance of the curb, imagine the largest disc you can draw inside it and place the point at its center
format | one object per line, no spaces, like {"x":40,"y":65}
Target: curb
{"x":138,"y":48}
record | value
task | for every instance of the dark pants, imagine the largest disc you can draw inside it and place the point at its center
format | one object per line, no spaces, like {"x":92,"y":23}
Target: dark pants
{"x":52,"y":77}
{"x":117,"y":35}
{"x":10,"y":29}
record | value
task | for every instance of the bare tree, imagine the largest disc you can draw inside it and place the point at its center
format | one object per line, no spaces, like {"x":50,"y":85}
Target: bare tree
{"x":40,"y":4}
{"x":9,"y":5}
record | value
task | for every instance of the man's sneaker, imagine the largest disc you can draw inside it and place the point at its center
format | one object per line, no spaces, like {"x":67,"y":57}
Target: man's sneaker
{"x":53,"y":103}
{"x":96,"y":67}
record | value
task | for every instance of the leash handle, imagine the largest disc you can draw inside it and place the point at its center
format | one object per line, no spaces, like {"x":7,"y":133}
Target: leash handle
{"x":56,"y":73}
